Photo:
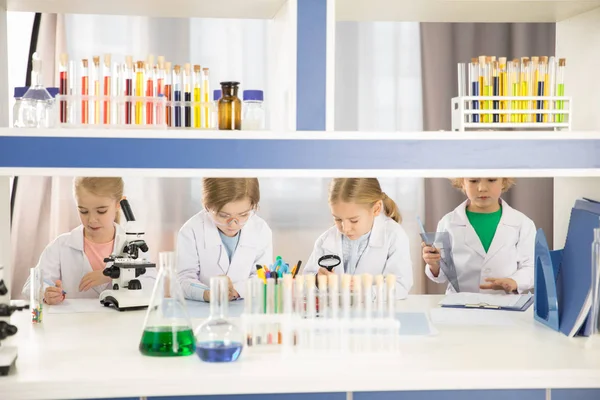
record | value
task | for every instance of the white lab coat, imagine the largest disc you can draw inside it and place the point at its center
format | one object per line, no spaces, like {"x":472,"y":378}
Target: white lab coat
{"x":65,"y":259}
{"x":511,"y":253}
{"x":388,"y":252}
{"x":201,"y":253}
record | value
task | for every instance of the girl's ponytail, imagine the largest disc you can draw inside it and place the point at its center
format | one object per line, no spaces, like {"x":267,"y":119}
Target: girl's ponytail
{"x":391,"y":208}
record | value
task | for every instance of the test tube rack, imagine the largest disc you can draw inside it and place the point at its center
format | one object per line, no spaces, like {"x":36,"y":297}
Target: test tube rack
{"x":299,"y":336}
{"x":468,"y":113}
{"x":304,"y":319}
{"x":127,"y":112}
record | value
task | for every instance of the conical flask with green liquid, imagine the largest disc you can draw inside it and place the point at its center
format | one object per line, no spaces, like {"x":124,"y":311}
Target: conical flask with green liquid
{"x":167,"y":327}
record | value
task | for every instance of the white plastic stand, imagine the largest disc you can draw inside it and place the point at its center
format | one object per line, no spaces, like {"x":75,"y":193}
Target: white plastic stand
{"x":468,"y":112}
{"x":302,"y":337}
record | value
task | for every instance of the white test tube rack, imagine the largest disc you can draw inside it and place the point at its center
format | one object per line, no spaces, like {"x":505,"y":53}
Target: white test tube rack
{"x":327,"y":336}
{"x":118,"y":115}
{"x":557,"y":108}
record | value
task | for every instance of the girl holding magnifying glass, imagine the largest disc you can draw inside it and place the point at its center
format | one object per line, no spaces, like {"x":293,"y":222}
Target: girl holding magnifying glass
{"x":367,"y":236}
{"x":226,"y":238}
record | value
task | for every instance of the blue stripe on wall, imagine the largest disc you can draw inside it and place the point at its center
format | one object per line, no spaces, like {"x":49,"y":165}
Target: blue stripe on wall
{"x":290,"y":396}
{"x":60,"y":152}
{"x":576,"y":394}
{"x":311,"y":65}
{"x":455,"y":395}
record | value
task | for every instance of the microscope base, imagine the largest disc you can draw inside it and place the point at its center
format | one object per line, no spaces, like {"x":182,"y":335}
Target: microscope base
{"x":125,"y":300}
{"x":8,"y":355}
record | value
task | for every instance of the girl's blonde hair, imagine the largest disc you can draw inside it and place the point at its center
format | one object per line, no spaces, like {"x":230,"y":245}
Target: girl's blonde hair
{"x":507,"y":183}
{"x":216,"y":192}
{"x":362,"y":191}
{"x":104,"y":187}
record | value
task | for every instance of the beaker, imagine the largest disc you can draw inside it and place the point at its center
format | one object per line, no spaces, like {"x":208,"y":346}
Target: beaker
{"x":217,"y":339}
{"x":167,"y":328}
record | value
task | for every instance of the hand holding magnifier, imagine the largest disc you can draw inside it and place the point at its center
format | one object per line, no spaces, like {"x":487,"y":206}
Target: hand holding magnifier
{"x":329,"y":261}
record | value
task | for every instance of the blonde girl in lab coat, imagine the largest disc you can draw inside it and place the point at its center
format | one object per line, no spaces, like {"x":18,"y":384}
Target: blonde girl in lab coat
{"x":367,"y":234}
{"x":225,"y":238}
{"x":74,"y":261}
{"x":492,"y":244}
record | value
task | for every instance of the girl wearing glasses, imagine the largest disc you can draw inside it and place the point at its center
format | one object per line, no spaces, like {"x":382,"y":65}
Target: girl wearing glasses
{"x":226,"y":238}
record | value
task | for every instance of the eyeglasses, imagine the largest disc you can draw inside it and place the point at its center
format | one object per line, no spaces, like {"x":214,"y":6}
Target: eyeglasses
{"x":224,"y":219}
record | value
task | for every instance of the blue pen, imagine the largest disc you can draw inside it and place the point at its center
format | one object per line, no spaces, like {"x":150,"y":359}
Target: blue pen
{"x":50,"y":283}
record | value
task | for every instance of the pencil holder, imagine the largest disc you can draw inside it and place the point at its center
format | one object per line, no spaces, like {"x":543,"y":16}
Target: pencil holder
{"x":511,"y":113}
{"x":122,"y":112}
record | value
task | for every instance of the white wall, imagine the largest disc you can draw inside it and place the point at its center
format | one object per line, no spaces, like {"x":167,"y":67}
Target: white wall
{"x":578,"y":40}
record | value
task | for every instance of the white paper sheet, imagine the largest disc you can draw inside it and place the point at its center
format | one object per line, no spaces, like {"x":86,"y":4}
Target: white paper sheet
{"x":73,"y":306}
{"x":462,"y":316}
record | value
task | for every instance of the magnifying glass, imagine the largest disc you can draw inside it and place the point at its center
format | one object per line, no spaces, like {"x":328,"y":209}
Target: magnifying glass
{"x":329,"y":261}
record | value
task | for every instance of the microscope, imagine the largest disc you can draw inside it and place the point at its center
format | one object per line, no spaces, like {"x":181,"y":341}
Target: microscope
{"x":127,"y":292}
{"x":8,"y":354}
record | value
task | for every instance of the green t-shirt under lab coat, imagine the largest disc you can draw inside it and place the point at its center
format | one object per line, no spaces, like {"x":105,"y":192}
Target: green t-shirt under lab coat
{"x":485,"y":225}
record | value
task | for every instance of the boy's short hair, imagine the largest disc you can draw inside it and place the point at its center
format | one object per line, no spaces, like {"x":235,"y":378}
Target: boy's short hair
{"x":507,"y":183}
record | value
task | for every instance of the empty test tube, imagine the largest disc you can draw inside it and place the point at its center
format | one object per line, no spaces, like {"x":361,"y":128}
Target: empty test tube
{"x":346,"y":295}
{"x":357,"y":295}
{"x":258,"y":308}
{"x":390,"y":282}
{"x":322,"y":296}
{"x":380,"y":293}
{"x":368,"y":294}
{"x":299,"y":294}
{"x":334,"y":296}
{"x":288,"y":304}
{"x":311,"y":309}
{"x":249,"y":309}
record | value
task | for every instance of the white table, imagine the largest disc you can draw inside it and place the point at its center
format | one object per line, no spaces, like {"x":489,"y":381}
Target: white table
{"x":96,"y":355}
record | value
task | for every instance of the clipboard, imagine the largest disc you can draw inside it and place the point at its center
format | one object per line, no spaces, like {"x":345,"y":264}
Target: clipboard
{"x":524,"y":302}
{"x":441,"y":241}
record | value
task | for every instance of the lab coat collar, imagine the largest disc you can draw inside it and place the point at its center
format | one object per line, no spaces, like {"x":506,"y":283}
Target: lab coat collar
{"x":508,"y":221}
{"x":509,"y":215}
{"x":75,"y":240}
{"x":333,"y":243}
{"x":509,"y":218}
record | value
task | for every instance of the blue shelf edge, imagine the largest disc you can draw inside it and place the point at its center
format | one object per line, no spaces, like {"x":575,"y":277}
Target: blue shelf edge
{"x":317,"y":154}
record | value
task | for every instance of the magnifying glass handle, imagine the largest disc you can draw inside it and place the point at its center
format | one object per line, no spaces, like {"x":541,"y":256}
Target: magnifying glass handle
{"x":330,"y":269}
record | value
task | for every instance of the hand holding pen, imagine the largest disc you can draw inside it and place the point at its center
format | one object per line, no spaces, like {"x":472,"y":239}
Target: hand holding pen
{"x":54,"y":294}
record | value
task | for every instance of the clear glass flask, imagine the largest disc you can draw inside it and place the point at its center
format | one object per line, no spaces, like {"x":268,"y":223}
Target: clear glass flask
{"x":36,"y":106}
{"x":167,"y":328}
{"x":595,"y":312}
{"x":217,"y":339}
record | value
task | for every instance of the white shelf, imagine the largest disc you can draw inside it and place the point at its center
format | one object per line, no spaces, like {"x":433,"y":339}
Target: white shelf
{"x":302,"y":135}
{"x":246,"y":9}
{"x":462,"y":10}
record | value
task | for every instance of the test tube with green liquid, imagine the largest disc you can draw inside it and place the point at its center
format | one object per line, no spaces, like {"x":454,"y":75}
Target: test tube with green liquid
{"x":560,"y":88}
